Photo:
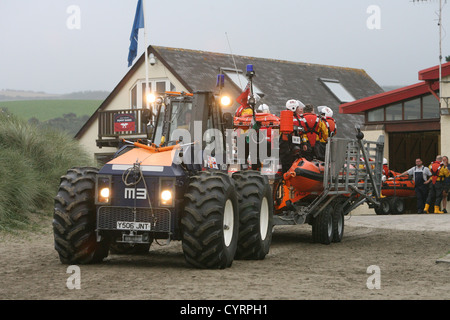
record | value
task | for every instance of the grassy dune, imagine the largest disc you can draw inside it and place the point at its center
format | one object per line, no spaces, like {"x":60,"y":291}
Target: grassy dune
{"x":32,"y":159}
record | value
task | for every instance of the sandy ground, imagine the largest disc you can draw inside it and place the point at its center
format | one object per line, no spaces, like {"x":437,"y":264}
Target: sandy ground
{"x":405,"y":248}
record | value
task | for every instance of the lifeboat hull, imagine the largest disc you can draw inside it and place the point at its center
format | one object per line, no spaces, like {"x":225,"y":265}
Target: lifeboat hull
{"x":265,"y":119}
{"x":398,"y":187}
{"x":305,"y":176}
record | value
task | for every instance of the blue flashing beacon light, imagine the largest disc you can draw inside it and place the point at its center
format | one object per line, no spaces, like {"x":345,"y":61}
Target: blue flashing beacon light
{"x":220,"y":81}
{"x":250,"y":71}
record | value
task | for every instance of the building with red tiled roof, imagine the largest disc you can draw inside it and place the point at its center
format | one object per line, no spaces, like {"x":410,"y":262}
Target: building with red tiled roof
{"x":414,"y":122}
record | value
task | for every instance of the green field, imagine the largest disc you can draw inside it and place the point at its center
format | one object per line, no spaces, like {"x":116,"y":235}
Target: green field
{"x":44,"y":110}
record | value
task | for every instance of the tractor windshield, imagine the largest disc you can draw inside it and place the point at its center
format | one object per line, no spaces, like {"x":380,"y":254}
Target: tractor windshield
{"x":176,"y":115}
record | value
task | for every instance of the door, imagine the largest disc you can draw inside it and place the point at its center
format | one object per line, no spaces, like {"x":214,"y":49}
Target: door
{"x":406,"y":147}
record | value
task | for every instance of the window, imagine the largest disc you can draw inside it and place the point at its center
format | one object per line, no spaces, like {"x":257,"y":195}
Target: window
{"x":179,"y":119}
{"x":424,"y":107}
{"x":240,"y":80}
{"x":338,"y":90}
{"x":137,"y":92}
{"x":161,"y":87}
{"x":430,"y":107}
{"x":143,"y":102}
{"x":394,"y":112}
{"x":376,"y":115}
{"x":134,"y":97}
{"x":158,"y":133}
{"x":412,"y":109}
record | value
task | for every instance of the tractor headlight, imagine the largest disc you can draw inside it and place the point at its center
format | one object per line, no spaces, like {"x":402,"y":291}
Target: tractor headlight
{"x":103,"y":190}
{"x":167,"y":192}
{"x":166,"y":197}
{"x":225,"y":101}
{"x":105,"y":193}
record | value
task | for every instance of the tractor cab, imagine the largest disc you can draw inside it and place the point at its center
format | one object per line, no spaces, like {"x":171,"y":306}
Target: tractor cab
{"x":172,"y":111}
{"x":183,"y":119}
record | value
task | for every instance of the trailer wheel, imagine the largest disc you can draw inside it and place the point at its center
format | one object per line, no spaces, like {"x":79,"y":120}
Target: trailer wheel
{"x":322,"y":229}
{"x":210,"y":224}
{"x":397,"y":205}
{"x":255,"y":215}
{"x":338,"y":222}
{"x":384,"y":208}
{"x":74,"y":219}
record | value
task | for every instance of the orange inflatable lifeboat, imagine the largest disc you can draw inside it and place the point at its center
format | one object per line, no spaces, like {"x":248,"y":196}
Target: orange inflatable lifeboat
{"x":305,"y":176}
{"x":266,"y":120}
{"x":398,"y":186}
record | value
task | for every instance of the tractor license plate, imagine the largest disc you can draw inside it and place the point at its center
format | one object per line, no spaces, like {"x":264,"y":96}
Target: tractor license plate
{"x":135,"y":226}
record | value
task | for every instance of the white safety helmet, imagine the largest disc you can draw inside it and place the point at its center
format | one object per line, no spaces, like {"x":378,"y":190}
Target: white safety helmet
{"x":385,"y":161}
{"x":264,"y":108}
{"x":294,"y":104}
{"x":325,"y":111}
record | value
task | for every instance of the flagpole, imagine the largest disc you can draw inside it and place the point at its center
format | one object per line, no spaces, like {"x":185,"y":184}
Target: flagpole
{"x":147,"y":91}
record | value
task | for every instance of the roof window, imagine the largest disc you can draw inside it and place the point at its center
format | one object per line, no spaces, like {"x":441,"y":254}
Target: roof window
{"x":338,"y":90}
{"x":240,"y":80}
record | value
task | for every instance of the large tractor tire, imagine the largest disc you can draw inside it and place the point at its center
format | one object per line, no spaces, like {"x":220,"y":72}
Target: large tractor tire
{"x":74,"y":219}
{"x":322,"y":227}
{"x":255,"y":215}
{"x":210,"y":225}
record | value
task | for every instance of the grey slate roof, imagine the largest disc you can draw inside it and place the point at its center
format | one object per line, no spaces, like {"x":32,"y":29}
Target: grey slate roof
{"x":279,"y":80}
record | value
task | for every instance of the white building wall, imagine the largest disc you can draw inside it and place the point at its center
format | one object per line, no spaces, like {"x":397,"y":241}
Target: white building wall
{"x":445,"y":119}
{"x":374,"y":134}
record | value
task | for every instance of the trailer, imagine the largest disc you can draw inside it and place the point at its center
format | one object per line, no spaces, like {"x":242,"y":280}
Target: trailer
{"x":349,"y":177}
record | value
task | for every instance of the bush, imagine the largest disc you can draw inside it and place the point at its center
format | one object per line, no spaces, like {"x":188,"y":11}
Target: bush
{"x":32,"y":161}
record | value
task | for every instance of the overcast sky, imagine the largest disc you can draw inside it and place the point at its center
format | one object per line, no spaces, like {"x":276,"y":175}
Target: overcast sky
{"x":43,"y":50}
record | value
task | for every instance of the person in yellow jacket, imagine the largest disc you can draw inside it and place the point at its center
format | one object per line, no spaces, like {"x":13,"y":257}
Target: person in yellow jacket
{"x":326,"y":115}
{"x":247,"y":111}
{"x":438,"y":174}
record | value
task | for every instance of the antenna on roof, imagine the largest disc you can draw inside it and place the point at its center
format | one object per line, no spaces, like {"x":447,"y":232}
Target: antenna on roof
{"x":234,"y":61}
{"x":439,"y":13}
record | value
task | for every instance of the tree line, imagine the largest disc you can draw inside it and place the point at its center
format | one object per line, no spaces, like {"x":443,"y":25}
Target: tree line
{"x":69,"y":122}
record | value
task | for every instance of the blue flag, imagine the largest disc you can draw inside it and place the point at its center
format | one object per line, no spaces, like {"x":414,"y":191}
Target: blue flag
{"x":138,"y":24}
